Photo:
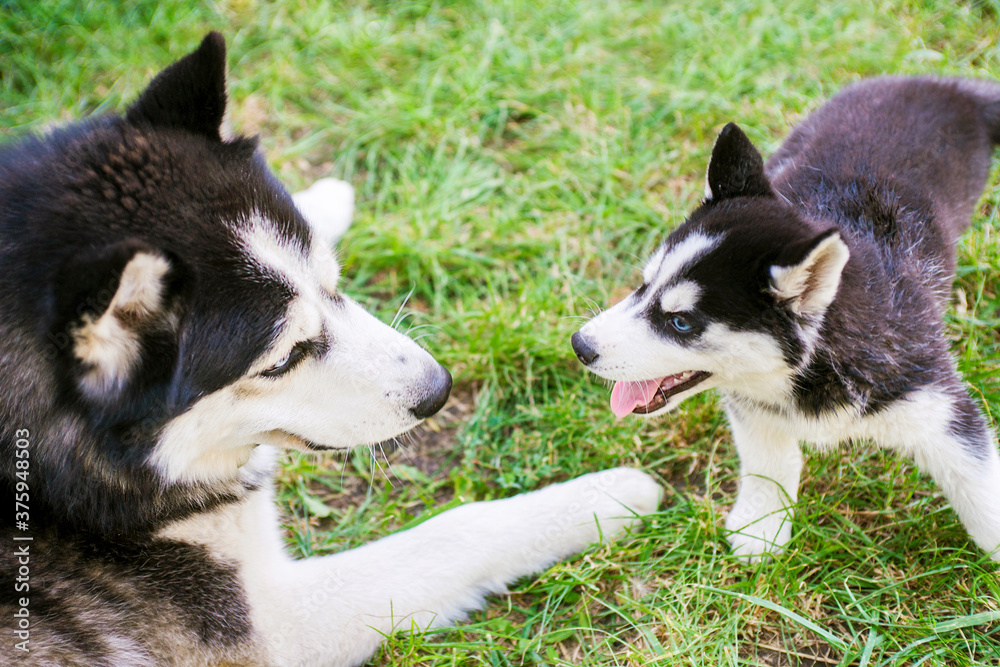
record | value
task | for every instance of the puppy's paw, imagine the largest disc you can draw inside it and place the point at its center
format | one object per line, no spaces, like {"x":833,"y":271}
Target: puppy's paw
{"x":328,"y":206}
{"x":761,"y":539}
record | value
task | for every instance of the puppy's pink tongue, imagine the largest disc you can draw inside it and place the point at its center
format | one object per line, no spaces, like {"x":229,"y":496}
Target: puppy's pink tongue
{"x":626,"y":395}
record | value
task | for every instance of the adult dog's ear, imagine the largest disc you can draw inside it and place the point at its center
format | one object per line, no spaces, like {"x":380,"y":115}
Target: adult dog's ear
{"x":111,"y":307}
{"x":188,"y":95}
{"x":735,"y":169}
{"x":807,"y":279}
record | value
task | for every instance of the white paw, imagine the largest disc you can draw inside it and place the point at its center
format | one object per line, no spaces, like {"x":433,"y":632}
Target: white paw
{"x":616,"y":499}
{"x":760,"y":540}
{"x":328,"y":206}
{"x":529,"y":532}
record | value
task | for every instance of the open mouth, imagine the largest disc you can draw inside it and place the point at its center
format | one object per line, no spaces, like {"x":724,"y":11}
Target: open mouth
{"x":647,"y":396}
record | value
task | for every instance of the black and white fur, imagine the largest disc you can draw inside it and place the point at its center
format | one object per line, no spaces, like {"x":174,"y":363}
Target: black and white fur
{"x":810,"y":292}
{"x":167,"y":320}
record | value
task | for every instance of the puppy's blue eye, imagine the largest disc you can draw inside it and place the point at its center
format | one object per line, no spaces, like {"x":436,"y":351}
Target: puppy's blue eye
{"x":679,"y":323}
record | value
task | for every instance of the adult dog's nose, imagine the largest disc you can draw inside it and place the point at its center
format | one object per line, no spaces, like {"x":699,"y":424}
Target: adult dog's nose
{"x":438,"y":388}
{"x":584,"y":349}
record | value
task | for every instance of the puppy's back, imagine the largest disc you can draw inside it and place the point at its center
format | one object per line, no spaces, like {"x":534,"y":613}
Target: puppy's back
{"x":923,"y":142}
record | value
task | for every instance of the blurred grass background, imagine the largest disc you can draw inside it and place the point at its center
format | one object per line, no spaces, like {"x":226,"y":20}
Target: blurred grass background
{"x":515,"y":162}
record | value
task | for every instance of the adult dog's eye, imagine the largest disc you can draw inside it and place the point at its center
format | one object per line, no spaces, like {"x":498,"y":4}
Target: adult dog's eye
{"x":290,"y":361}
{"x":681,"y":324}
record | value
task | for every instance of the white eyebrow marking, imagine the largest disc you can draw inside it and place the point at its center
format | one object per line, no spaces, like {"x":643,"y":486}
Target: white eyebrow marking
{"x":680,"y":298}
{"x":269,"y":250}
{"x":265,"y":248}
{"x":327,"y":268}
{"x":678,"y":257}
{"x":649,"y":271}
{"x":660,"y":270}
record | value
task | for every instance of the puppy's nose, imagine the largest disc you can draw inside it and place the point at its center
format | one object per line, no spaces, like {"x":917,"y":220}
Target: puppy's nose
{"x":438,"y":388}
{"x":584,"y":349}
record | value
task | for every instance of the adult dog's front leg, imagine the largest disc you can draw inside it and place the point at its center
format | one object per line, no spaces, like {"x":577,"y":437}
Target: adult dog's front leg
{"x":336,"y":610}
{"x":760,"y":523}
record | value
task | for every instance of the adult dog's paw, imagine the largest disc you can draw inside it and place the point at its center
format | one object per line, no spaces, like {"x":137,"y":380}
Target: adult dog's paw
{"x":328,"y":206}
{"x":612,"y":501}
{"x":528,"y":532}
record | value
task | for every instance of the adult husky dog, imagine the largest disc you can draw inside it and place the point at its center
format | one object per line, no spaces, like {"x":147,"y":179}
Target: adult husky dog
{"x":810,"y":290}
{"x":167,"y":320}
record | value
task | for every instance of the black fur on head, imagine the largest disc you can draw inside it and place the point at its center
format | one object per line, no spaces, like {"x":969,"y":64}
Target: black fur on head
{"x":735,"y":275}
{"x":760,"y":274}
{"x":131,"y":224}
{"x":758,"y":232}
{"x":736,"y":168}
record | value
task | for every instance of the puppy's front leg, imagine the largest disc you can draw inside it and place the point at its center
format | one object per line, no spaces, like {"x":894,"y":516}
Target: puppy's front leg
{"x":336,"y":610}
{"x":760,"y":523}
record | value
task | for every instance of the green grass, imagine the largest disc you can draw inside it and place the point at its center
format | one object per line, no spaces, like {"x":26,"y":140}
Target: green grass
{"x":515,"y":161}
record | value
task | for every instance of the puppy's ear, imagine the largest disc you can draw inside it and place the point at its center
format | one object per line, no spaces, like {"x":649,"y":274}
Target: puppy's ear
{"x":188,"y":95}
{"x":107,"y":304}
{"x":808,"y":283}
{"x":735,"y":169}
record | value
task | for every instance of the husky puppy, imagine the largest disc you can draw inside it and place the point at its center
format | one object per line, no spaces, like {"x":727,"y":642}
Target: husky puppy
{"x":167,"y":320}
{"x":809,"y":290}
